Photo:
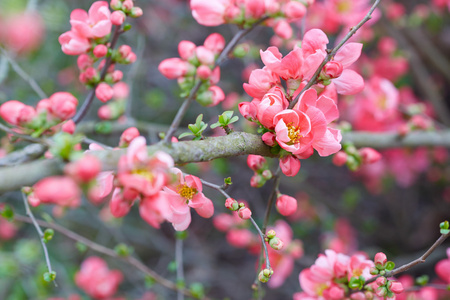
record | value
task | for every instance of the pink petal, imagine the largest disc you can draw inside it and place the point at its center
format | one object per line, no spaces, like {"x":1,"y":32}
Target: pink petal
{"x":328,"y":107}
{"x":348,"y":54}
{"x":329,"y":143}
{"x":349,"y":83}
{"x":314,"y":39}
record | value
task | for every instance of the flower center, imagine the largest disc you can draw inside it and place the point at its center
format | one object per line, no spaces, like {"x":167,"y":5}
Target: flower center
{"x":143,"y":173}
{"x":293,"y":133}
{"x":186,"y":192}
{"x":344,"y":6}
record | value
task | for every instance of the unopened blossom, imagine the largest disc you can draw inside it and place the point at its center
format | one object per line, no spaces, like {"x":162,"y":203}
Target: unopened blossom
{"x":96,"y":279}
{"x":289,"y":165}
{"x":442,"y":268}
{"x":85,"y":169}
{"x":60,"y":190}
{"x":17,"y":113}
{"x":104,"y":92}
{"x":286,"y":205}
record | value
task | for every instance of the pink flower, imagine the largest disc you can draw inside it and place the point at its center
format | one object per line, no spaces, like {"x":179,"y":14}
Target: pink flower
{"x":93,"y":24}
{"x":104,"y":92}
{"x":23,"y":32}
{"x":271,"y":104}
{"x":286,"y":205}
{"x":442,"y":268}
{"x":244,"y":213}
{"x":292,"y":128}
{"x":255,"y":162}
{"x":17,"y":113}
{"x":186,"y":193}
{"x":260,"y":82}
{"x":215,"y":42}
{"x":96,"y":279}
{"x":73,"y":44}
{"x":155,"y":209}
{"x":100,"y":50}
{"x":85,"y":169}
{"x":209,"y":13}
{"x":118,"y":17}
{"x":369,"y":155}
{"x":186,"y":49}
{"x":128,"y":136}
{"x":60,"y":190}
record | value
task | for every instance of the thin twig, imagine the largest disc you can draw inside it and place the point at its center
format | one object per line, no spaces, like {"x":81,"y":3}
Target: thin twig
{"x":33,"y":84}
{"x":333,"y":52}
{"x":272,"y":197}
{"x":222,"y":57}
{"x":23,"y":136}
{"x":90,"y":97}
{"x":109,"y":252}
{"x":179,"y":261}
{"x":415,"y":262}
{"x":40,"y":233}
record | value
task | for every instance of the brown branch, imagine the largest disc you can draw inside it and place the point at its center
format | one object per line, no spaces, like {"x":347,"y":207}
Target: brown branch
{"x":107,"y":251}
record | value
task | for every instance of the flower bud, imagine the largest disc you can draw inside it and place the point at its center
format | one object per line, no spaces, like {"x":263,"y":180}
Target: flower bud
{"x":136,"y":12}
{"x":395,"y":286}
{"x":257,"y":181}
{"x":255,"y":162}
{"x":104,"y":92}
{"x":381,"y":281}
{"x":286,"y":205}
{"x":340,"y":158}
{"x":380,"y":260}
{"x":231,"y":204}
{"x":381,"y":291}
{"x":369,"y":155}
{"x":266,"y":174}
{"x":245,"y":213}
{"x":118,"y":17}
{"x":262,"y":277}
{"x":276,"y":243}
{"x":203,"y":72}
{"x":100,"y":50}
{"x":127,"y":136}
{"x":271,"y":234}
{"x":333,"y":69}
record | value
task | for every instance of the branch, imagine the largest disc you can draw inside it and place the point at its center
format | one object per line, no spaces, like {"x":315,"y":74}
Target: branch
{"x":420,"y":260}
{"x":236,"y":143}
{"x":333,"y":52}
{"x":107,"y":251}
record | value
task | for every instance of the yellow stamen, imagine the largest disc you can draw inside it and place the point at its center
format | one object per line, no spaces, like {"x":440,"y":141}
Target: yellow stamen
{"x":143,"y":173}
{"x":293,"y":133}
{"x":186,"y":192}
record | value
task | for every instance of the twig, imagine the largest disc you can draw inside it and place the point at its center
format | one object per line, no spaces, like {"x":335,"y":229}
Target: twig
{"x":222,"y":57}
{"x":90,"y":97}
{"x":107,"y":251}
{"x":333,"y":52}
{"x":40,"y":233}
{"x":33,"y":84}
{"x":420,"y":260}
{"x":179,"y":261}
{"x":272,"y":197}
{"x":23,"y":136}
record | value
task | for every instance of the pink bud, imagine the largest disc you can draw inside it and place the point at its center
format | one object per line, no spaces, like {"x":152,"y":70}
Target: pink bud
{"x":60,"y":190}
{"x":104,"y":92}
{"x":172,"y":68}
{"x":85,"y":169}
{"x":333,"y":69}
{"x":286,"y":205}
{"x":204,"y":55}
{"x":203,"y":72}
{"x":395,"y":287}
{"x":248,"y":110}
{"x":289,"y":165}
{"x":127,"y":5}
{"x":369,"y":155}
{"x":231,"y":204}
{"x":104,"y":112}
{"x":127,"y":136}
{"x":116,"y":76}
{"x":380,"y":260}
{"x":118,"y":17}
{"x":381,"y":291}
{"x":100,"y":50}
{"x":269,"y":139}
{"x":116,"y":4}
{"x":136,"y":12}
{"x":84,"y":61}
{"x":266,"y":174}
{"x":294,"y":10}
{"x":283,"y":29}
{"x":255,"y":162}
{"x":16,"y":113}
{"x":186,"y":49}
{"x":69,"y":127}
{"x":257,"y":181}
{"x":215,"y":42}
{"x":121,"y":90}
{"x":340,"y":158}
{"x":63,"y":105}
{"x":381,"y":281}
{"x":245,"y":213}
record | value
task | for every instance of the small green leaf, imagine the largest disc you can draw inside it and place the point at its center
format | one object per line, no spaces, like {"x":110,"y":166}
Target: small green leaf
{"x":103,"y":127}
{"x":149,"y":282}
{"x":48,"y":235}
{"x":215,"y":125}
{"x":198,"y":121}
{"x":233,"y":119}
{"x":49,"y":276}
{"x":227,"y":181}
{"x":422,"y":280}
{"x":203,"y":128}
{"x":184,"y":134}
{"x":197,"y":290}
{"x":181,"y":284}
{"x":390,"y":265}
{"x":7,"y":212}
{"x":444,"y":225}
{"x":172,"y":266}
{"x":181,"y":235}
{"x":81,"y":247}
{"x":193,"y":128}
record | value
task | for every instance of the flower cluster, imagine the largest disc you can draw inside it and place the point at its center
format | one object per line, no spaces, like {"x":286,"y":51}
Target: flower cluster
{"x":89,"y":38}
{"x":197,"y":63}
{"x":149,"y":180}
{"x":96,"y":279}
{"x":262,"y":173}
{"x":46,"y":118}
{"x":245,"y":13}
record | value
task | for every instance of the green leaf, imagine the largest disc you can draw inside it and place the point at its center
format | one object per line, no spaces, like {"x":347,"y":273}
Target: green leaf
{"x":215,"y":125}
{"x":81,"y":247}
{"x":184,"y":134}
{"x":193,"y":128}
{"x":172,"y":266}
{"x":123,"y":250}
{"x":7,"y":212}
{"x":227,"y":181}
{"x":390,"y":265}
{"x":233,"y":119}
{"x":198,"y":121}
{"x":422,"y":280}
{"x":197,"y":290}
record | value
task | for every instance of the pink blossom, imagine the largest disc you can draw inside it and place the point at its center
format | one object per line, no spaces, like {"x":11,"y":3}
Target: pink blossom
{"x":209,"y":13}
{"x":283,"y":29}
{"x":260,"y":82}
{"x":68,"y":191}
{"x":286,"y":205}
{"x":95,"y":278}
{"x":271,"y":104}
{"x":186,"y":49}
{"x":239,"y":238}
{"x":7,"y":230}
{"x":155,"y":209}
{"x":118,"y":17}
{"x":340,"y":158}
{"x":100,"y":50}
{"x":294,"y":10}
{"x":85,"y":169}
{"x":442,"y":268}
{"x":215,"y":42}
{"x":186,"y":193}
{"x":69,"y":127}
{"x":23,"y":32}
{"x":119,"y":206}
{"x":127,"y":136}
{"x":255,"y":162}
{"x":93,"y":24}
{"x":17,"y":113}
{"x":63,"y":105}
{"x":244,"y":213}
{"x":369,"y":155}
{"x":248,"y":110}
{"x":73,"y":44}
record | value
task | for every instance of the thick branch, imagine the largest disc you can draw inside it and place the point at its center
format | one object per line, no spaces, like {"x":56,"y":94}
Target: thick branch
{"x":237,"y":143}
